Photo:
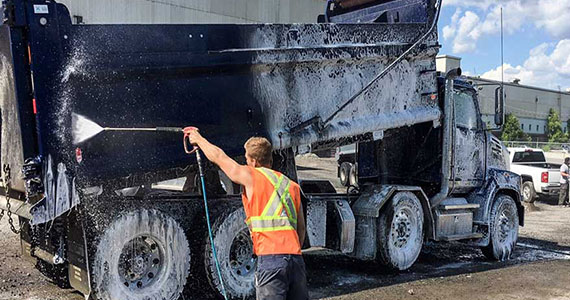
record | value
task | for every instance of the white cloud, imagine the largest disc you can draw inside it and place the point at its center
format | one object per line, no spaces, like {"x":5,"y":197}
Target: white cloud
{"x":466,"y":33}
{"x":481,"y":4}
{"x":542,"y":68}
{"x":449,"y":30}
{"x":551,"y":15}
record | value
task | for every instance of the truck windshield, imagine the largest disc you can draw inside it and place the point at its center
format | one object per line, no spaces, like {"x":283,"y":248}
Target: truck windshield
{"x":529,"y":156}
{"x":465,"y":111}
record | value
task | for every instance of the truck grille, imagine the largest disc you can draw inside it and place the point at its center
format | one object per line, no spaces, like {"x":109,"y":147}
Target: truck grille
{"x":496,"y":146}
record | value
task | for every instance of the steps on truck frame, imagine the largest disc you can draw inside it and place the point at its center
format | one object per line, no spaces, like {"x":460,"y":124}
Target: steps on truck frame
{"x":454,"y":220}
{"x":460,"y":206}
{"x":461,"y":237}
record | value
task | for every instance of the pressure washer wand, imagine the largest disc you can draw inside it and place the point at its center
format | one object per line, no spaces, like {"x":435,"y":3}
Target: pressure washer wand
{"x":201,"y":171}
{"x":156,"y":129}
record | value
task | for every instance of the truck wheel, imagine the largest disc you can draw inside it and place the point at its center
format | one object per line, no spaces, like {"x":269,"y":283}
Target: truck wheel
{"x":353,"y":178}
{"x":235,"y":255}
{"x":503,"y":230}
{"x":142,"y":255}
{"x":528,"y":192}
{"x":400,"y":231}
{"x":344,"y":173}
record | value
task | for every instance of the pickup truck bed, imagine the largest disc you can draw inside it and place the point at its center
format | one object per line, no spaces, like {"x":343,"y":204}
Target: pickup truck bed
{"x":539,"y":177}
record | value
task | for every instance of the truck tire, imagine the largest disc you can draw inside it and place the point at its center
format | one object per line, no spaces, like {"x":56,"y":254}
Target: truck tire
{"x":344,"y":173}
{"x":143,"y":255}
{"x":353,"y":177}
{"x":503,"y":229}
{"x":235,"y":255}
{"x":400,"y":231}
{"x":527,"y":191}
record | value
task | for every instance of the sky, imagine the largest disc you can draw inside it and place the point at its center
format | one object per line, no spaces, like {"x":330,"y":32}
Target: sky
{"x":536,"y":39}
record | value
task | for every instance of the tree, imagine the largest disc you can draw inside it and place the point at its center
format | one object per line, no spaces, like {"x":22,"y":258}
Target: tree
{"x":554,"y":128}
{"x":512,"y":130}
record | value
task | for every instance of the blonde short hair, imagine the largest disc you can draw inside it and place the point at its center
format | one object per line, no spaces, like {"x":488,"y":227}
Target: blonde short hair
{"x":259,"y":148}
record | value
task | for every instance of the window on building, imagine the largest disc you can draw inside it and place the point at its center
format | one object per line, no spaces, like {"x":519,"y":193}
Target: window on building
{"x":529,"y":127}
{"x":78,"y":20}
{"x":522,"y":126}
{"x":536,"y":128}
{"x":544,"y":128}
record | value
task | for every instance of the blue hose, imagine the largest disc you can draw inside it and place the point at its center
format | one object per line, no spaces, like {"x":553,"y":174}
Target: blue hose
{"x":217,"y":263}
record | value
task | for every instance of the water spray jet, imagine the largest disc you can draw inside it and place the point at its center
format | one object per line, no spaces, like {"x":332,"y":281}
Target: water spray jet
{"x":84,"y":129}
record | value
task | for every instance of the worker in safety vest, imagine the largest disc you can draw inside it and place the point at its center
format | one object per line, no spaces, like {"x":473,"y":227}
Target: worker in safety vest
{"x":274,"y":215}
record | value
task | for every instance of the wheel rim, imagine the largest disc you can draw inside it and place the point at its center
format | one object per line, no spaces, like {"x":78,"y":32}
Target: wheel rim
{"x":242,"y":261}
{"x":505,"y":224}
{"x":526,"y":192}
{"x":403,"y":223}
{"x":141,"y":262}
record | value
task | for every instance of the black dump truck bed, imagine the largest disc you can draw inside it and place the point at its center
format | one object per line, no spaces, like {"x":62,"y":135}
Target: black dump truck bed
{"x":274,"y":80}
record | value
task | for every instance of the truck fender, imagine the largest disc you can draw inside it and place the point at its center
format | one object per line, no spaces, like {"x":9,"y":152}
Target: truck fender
{"x":499,"y":182}
{"x":367,"y":208}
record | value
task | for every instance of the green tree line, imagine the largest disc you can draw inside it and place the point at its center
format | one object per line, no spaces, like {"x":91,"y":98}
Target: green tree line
{"x":512,"y":130}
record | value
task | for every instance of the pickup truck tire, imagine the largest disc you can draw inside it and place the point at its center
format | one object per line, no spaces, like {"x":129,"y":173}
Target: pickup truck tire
{"x":141,"y":255}
{"x":503,"y":230}
{"x":353,"y":177}
{"x":400,"y":231}
{"x":227,"y":184}
{"x":528,"y":192}
{"x":235,"y":255}
{"x":344,"y":173}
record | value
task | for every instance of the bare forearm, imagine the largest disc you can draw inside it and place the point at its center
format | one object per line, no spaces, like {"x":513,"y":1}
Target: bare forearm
{"x":237,"y":173}
{"x":211,"y":151}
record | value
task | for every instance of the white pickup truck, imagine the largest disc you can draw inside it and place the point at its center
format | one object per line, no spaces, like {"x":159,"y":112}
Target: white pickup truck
{"x":539,"y":178}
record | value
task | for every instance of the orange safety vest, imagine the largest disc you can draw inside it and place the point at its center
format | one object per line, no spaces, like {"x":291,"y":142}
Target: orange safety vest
{"x":271,"y":214}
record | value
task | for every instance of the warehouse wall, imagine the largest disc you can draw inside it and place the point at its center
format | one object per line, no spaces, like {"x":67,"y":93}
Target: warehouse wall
{"x":195,"y":11}
{"x":530,"y":104}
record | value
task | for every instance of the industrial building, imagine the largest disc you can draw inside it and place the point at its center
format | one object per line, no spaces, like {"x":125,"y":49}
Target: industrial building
{"x":528,"y":103}
{"x":194,"y":11}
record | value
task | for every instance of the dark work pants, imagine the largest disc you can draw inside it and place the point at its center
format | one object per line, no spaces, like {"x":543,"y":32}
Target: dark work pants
{"x":281,"y":277}
{"x":563,"y":197}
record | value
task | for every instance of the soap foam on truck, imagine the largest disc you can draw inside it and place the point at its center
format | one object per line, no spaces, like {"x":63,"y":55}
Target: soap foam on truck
{"x":426,"y":166}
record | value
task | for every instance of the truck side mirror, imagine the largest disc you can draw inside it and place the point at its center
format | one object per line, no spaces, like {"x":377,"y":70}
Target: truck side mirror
{"x":499,"y":106}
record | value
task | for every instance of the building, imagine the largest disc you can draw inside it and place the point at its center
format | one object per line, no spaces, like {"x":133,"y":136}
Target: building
{"x":193,"y":11}
{"x":528,"y":103}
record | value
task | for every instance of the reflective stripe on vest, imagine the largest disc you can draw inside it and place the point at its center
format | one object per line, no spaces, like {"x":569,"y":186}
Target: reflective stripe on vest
{"x":279,"y":212}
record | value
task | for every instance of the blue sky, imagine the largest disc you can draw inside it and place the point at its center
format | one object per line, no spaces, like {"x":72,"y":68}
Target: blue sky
{"x":536,"y":39}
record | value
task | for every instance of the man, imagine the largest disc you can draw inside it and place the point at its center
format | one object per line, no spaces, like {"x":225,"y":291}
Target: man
{"x":274,"y":214}
{"x":563,"y":196}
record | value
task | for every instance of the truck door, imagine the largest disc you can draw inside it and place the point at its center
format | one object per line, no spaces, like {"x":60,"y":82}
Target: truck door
{"x":469,"y":139}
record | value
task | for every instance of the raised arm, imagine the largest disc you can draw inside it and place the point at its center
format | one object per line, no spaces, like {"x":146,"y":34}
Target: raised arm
{"x":237,"y":173}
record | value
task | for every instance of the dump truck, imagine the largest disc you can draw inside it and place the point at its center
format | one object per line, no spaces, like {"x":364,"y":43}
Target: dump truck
{"x":97,"y":212}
